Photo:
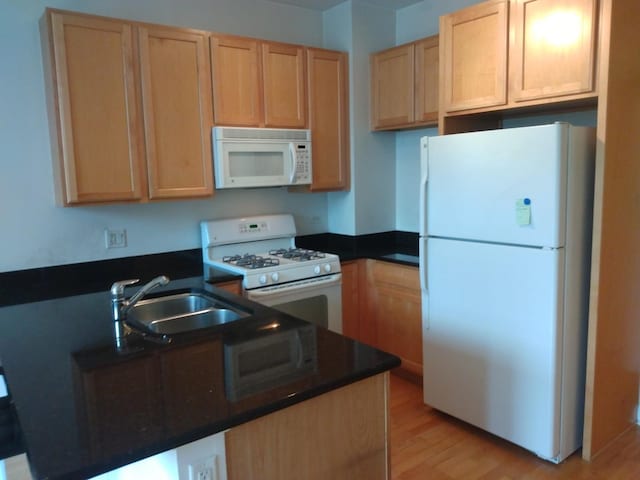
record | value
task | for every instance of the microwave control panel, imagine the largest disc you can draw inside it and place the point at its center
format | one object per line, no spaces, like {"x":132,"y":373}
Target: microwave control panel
{"x":303,"y":162}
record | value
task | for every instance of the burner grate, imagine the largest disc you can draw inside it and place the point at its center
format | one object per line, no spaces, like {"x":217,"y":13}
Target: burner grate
{"x":297,"y":254}
{"x":250,"y":261}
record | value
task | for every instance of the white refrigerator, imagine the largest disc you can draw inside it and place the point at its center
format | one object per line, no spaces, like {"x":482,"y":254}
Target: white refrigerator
{"x":505,"y":228}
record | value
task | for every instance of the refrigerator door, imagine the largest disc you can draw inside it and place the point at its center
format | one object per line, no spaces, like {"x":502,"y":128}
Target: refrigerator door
{"x":492,"y":332}
{"x":505,"y":186}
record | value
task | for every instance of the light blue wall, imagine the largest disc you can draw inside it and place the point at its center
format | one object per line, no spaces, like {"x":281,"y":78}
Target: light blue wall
{"x":369,"y":206}
{"x":37,"y":233}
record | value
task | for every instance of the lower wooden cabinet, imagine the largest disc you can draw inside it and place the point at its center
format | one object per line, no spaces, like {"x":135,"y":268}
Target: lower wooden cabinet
{"x":233,"y":286}
{"x":381,"y":306}
{"x":341,"y":435}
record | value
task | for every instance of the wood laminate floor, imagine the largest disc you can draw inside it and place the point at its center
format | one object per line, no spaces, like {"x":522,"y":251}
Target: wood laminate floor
{"x":429,"y":445}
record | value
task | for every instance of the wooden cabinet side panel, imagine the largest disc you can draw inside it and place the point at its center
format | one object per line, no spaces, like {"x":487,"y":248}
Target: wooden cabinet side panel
{"x":176,"y":94}
{"x":350,"y":298}
{"x":284,"y":85}
{"x":553,"y":49}
{"x":341,"y":435}
{"x":426,"y":80}
{"x":98,"y":111}
{"x":473,"y":56}
{"x":237,"y":97}
{"x":392,"y":84}
{"x":328,"y":91}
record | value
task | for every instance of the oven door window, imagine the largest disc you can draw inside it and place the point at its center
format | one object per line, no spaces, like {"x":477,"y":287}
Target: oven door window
{"x":312,"y":309}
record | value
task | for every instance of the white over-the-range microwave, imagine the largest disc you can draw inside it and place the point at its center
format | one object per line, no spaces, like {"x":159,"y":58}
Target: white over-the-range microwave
{"x":261,"y":157}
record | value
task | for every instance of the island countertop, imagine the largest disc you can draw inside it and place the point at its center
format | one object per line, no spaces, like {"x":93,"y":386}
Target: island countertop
{"x":83,"y":408}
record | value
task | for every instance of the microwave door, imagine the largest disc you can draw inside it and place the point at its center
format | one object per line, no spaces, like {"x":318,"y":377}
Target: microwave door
{"x":246,"y":164}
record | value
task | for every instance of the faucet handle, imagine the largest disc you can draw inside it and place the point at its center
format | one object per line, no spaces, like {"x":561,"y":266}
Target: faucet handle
{"x":117,"y":289}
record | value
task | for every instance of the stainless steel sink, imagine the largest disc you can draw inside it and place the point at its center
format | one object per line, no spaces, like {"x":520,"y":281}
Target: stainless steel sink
{"x":181,"y":313}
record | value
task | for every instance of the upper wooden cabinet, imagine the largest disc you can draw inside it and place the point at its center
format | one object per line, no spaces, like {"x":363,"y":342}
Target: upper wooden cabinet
{"x":283,"y":75}
{"x":131,"y":110}
{"x":506,"y":54}
{"x":473,"y":53}
{"x":237,"y":92}
{"x":95,"y":109}
{"x":328,"y":89}
{"x":404,"y":85}
{"x":257,"y":83}
{"x":176,"y":99}
{"x":553,"y":49}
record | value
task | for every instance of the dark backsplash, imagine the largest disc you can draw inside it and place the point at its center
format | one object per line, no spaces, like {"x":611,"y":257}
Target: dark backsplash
{"x":44,"y":283}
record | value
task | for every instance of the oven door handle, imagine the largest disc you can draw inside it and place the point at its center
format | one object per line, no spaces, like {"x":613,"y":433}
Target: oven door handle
{"x":301,"y":285}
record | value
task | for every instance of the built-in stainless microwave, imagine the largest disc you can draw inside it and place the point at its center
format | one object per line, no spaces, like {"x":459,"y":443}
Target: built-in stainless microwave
{"x":271,"y":356}
{"x":261,"y":157}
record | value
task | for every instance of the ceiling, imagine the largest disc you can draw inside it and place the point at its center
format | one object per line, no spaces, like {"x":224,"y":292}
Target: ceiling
{"x":326,"y":4}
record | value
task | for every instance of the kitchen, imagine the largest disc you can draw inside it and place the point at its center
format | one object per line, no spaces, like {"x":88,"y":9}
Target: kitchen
{"x":51,"y":236}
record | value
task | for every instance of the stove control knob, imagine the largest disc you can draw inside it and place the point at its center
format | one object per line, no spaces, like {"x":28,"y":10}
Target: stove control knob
{"x":262,"y":279}
{"x":327,"y":267}
{"x":275,"y":277}
{"x":316,"y":269}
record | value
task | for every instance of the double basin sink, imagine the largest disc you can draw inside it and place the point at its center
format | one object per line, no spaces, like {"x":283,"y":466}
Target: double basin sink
{"x":181,"y":312}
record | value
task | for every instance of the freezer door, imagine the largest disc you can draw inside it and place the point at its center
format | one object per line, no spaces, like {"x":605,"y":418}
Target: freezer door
{"x":505,"y":186}
{"x":491,"y":338}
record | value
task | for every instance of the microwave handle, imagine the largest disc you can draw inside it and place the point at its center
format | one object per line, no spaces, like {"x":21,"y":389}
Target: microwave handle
{"x":292,"y":152}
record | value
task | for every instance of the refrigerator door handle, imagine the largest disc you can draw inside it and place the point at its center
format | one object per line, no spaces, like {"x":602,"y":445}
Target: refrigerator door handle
{"x":423,"y":282}
{"x":424,"y":178}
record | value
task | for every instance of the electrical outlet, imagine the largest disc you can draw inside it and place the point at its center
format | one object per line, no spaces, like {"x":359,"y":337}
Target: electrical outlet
{"x":204,"y":469}
{"x":115,"y":238}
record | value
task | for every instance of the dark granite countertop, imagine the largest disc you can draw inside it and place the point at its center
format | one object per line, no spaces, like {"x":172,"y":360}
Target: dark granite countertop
{"x":84,"y":409}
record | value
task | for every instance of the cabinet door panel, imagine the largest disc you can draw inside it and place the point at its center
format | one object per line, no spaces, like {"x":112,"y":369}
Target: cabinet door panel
{"x":394,"y":307}
{"x":474,"y":56}
{"x":284,"y":86}
{"x":176,"y":93}
{"x":427,"y":71}
{"x":553,"y":52}
{"x":329,"y":118}
{"x":99,"y":125}
{"x":236,"y":81}
{"x":392,"y":74}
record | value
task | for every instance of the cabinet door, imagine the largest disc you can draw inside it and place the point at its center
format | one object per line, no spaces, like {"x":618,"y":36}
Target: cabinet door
{"x":392,"y":77}
{"x":350,"y":318}
{"x":394,"y":296}
{"x":553,"y":52}
{"x":176,"y":94}
{"x":329,"y":118}
{"x":426,"y":80}
{"x":120,"y":403}
{"x":194,"y":380}
{"x":237,"y":98}
{"x":474,"y":56}
{"x":283,"y":76}
{"x":96,"y":109}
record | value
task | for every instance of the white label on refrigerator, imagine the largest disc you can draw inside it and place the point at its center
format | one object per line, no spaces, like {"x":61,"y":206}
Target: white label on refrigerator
{"x":523,"y":211}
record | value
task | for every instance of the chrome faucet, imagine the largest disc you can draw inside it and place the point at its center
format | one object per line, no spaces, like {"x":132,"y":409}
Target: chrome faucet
{"x":120,"y":305}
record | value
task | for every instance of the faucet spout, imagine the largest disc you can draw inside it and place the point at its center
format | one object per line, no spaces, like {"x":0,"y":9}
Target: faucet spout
{"x":146,"y":288}
{"x":120,"y":305}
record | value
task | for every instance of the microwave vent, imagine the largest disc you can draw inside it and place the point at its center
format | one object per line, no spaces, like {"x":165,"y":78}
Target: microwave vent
{"x":239,"y":133}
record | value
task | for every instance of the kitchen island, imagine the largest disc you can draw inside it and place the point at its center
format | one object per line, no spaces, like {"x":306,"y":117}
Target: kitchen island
{"x":84,"y":408}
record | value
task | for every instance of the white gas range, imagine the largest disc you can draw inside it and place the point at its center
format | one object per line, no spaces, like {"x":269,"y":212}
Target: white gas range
{"x":303,"y":283}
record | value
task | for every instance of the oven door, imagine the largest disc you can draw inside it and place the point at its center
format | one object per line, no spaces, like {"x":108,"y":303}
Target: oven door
{"x":316,"y":300}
